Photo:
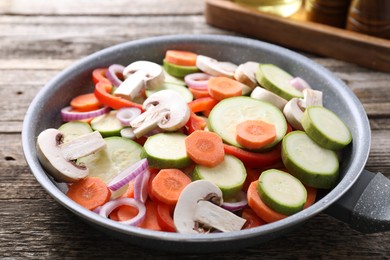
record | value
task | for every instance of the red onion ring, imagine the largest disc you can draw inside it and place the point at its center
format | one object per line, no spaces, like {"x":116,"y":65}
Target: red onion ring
{"x":197,"y":80}
{"x":128,"y":174}
{"x":112,"y":76}
{"x":107,"y":208}
{"x":238,"y":205}
{"x":299,"y":84}
{"x":141,"y":187}
{"x":128,"y":133}
{"x":127,"y":114}
{"x":67,"y":115}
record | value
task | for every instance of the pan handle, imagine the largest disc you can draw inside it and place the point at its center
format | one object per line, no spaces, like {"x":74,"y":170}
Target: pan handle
{"x":366,"y":205}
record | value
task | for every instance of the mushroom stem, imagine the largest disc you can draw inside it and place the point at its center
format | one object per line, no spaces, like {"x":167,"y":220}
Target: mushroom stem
{"x":82,"y":146}
{"x":132,"y":86}
{"x":214,"y":216}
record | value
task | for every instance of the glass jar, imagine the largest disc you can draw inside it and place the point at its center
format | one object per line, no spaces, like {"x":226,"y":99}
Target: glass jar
{"x":370,"y":17}
{"x":282,"y":8}
{"x":330,"y":12}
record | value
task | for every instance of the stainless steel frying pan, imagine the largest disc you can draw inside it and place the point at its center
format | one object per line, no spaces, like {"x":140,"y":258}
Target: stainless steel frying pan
{"x":361,"y":198}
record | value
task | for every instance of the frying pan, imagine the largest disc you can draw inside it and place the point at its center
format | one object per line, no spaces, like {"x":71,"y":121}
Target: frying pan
{"x":361,"y":198}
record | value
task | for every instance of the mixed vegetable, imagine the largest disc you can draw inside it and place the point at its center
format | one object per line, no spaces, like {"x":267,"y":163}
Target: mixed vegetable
{"x":196,"y":145}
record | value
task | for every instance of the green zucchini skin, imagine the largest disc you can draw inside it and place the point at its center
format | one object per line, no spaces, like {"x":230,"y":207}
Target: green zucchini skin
{"x":310,"y":174}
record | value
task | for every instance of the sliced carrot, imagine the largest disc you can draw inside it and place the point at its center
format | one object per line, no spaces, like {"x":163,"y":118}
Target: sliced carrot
{"x":182,"y":58}
{"x":311,"y":196}
{"x":222,"y":87}
{"x":254,"y":159}
{"x":168,"y":184}
{"x":252,"y":220}
{"x":202,"y":104}
{"x":259,"y":207}
{"x":255,"y":134}
{"x":126,"y":212}
{"x":99,"y":75}
{"x":197,"y":93}
{"x":85,"y":102}
{"x":90,"y":192}
{"x":150,"y":222}
{"x":129,"y":193}
{"x":205,"y":148}
{"x":195,"y":123}
{"x":164,"y":217}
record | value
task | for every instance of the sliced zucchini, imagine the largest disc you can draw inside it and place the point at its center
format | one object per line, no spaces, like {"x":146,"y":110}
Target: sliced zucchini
{"x":178,"y":70}
{"x":182,"y":90}
{"x":325,"y":128}
{"x":119,"y":154}
{"x":312,"y":164}
{"x":74,"y":129}
{"x":228,"y":113}
{"x":107,"y":124}
{"x":277,"y":81}
{"x":229,"y":175}
{"x":281,"y":191}
{"x":167,"y":150}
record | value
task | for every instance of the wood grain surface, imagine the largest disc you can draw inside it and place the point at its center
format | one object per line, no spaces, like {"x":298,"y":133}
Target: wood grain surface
{"x":40,"y":38}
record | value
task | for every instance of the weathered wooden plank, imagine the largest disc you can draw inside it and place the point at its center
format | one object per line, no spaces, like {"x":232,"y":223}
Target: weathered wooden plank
{"x":75,"y":37}
{"x":104,"y":7}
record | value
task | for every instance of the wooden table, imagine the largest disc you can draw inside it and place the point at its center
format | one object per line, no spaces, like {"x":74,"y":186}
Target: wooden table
{"x":40,"y":38}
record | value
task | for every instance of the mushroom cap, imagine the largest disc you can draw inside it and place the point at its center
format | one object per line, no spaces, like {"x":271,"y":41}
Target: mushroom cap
{"x":154,"y":72}
{"x":169,"y":101}
{"x":52,"y":159}
{"x":183,"y":216}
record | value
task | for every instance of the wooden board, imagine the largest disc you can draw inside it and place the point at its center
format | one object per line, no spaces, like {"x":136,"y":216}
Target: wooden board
{"x":297,"y":33}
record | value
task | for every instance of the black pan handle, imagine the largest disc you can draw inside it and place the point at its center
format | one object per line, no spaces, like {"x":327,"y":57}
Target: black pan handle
{"x":366,"y":205}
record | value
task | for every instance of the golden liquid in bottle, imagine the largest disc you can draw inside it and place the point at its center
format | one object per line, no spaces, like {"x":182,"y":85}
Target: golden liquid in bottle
{"x":282,"y":8}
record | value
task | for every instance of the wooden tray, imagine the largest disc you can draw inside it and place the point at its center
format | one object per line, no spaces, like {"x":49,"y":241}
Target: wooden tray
{"x":298,"y":33}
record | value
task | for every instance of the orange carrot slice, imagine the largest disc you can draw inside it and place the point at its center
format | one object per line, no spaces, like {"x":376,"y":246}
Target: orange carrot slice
{"x":150,"y":222}
{"x":168,"y":184}
{"x":205,"y":148}
{"x":181,"y":58}
{"x":221,"y":88}
{"x":199,"y":93}
{"x":255,"y":134}
{"x":90,"y":192}
{"x":126,"y":212}
{"x":85,"y":102}
{"x":259,"y":207}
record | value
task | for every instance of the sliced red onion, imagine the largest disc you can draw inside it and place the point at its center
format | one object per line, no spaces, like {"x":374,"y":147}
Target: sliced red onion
{"x":107,"y":208}
{"x":299,"y":84}
{"x":97,"y":209}
{"x":238,"y":205}
{"x":67,"y":115}
{"x":197,"y":80}
{"x":127,"y":114}
{"x":128,"y":174}
{"x":141,"y":187}
{"x":112,"y":72}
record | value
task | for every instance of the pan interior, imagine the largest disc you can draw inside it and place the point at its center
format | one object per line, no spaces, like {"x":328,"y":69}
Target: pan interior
{"x":44,"y":112}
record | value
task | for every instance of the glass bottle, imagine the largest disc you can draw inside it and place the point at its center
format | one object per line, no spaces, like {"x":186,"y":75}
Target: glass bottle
{"x":282,"y":8}
{"x":330,"y":12}
{"x":370,"y":17}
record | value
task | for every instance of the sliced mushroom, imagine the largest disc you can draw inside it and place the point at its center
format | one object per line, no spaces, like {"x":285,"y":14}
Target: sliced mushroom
{"x":246,"y":73}
{"x":165,"y":109}
{"x":311,"y":97}
{"x":214,"y":67}
{"x":267,"y":96}
{"x":139,"y":75}
{"x":293,"y":113}
{"x":299,"y":84}
{"x":183,"y":216}
{"x":57,"y":157}
{"x":219,"y":218}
